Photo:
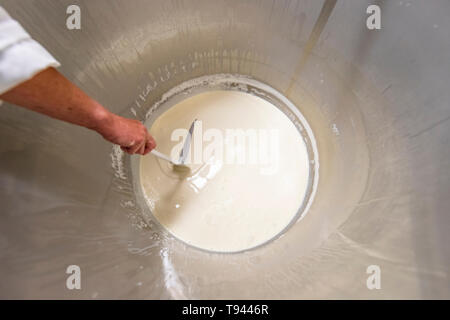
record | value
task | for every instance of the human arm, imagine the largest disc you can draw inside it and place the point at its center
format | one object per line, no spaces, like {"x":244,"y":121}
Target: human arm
{"x":50,"y":93}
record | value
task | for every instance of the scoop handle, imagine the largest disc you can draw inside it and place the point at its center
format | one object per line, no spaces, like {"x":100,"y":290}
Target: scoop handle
{"x":160,"y":155}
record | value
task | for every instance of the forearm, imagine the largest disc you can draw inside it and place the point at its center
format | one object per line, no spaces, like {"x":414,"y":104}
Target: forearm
{"x":52,"y":94}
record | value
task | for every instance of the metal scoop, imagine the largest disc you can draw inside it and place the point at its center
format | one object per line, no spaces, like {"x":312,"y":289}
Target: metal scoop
{"x":187,"y":144}
{"x":179,"y":165}
{"x":176,"y":165}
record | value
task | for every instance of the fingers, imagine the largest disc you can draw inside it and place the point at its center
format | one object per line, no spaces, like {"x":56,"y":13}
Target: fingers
{"x":133,"y":148}
{"x":136,"y":148}
{"x":143,"y":144}
{"x":151,"y":141}
{"x":148,"y":148}
{"x":141,"y":149}
{"x":150,"y":144}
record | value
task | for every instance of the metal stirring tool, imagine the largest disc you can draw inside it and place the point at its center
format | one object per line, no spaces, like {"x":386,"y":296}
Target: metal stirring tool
{"x":180,"y":164}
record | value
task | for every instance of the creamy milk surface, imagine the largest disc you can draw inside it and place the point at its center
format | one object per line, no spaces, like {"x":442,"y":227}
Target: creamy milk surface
{"x":248,"y":178}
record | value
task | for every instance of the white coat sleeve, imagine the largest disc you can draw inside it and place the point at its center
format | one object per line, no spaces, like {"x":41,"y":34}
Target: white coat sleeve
{"x":21,"y":57}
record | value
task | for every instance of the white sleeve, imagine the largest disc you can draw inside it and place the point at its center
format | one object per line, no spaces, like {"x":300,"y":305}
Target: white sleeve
{"x":21,"y":57}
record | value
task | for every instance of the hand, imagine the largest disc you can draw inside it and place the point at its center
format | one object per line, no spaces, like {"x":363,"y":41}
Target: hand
{"x":131,"y":135}
{"x":50,"y":93}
